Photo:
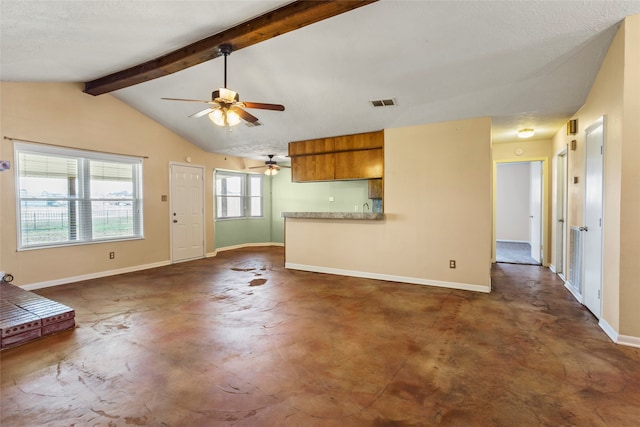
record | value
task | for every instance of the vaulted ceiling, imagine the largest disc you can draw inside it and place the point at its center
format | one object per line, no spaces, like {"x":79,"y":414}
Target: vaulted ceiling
{"x":526,"y":64}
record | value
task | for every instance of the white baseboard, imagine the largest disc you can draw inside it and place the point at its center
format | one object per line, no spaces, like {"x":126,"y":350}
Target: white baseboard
{"x":552,"y":268}
{"x":246,"y":245}
{"x":512,"y":241}
{"x":608,"y":329}
{"x":388,"y":277}
{"x":65,"y":280}
{"x":629,"y":341}
{"x":573,"y":290}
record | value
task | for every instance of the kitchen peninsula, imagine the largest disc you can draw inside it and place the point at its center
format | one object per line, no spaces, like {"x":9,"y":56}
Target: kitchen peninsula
{"x":362,"y":216}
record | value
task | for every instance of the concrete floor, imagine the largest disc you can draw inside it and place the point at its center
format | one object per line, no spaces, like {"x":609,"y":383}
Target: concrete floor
{"x":237,"y":340}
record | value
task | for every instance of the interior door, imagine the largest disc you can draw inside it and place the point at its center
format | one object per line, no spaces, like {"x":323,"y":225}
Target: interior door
{"x":535,"y":211}
{"x":561,"y":213}
{"x":593,"y":208}
{"x":187,"y":212}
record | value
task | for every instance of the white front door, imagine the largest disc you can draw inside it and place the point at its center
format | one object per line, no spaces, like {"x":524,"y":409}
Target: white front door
{"x":561,"y":212}
{"x":592,"y":229}
{"x":187,"y":212}
{"x":535,"y":211}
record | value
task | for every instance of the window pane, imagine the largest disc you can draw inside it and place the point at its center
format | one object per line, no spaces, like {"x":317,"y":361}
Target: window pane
{"x":233,"y":207}
{"x":256,"y":206}
{"x":111,"y":219}
{"x":111,"y":180}
{"x":255,"y":185}
{"x":46,"y":222}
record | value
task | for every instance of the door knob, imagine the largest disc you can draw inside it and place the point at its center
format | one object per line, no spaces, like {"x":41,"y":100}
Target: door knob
{"x":584,"y":228}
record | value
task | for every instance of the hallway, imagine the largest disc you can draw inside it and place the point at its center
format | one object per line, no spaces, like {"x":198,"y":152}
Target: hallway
{"x":238,"y":340}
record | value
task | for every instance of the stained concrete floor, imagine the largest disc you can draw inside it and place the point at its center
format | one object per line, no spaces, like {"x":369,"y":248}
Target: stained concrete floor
{"x":237,"y":340}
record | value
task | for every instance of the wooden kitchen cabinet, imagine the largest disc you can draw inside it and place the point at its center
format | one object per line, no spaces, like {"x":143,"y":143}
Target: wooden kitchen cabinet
{"x":375,"y":188}
{"x":359,"y":156}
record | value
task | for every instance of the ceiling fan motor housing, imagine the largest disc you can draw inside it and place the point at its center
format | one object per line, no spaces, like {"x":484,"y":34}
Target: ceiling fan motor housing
{"x":216,"y":95}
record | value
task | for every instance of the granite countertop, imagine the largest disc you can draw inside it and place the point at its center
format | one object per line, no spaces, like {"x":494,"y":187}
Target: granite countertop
{"x":366,"y":216}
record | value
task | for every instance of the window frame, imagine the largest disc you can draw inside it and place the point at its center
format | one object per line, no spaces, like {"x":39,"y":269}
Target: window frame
{"x":83,"y":200}
{"x":245,"y":195}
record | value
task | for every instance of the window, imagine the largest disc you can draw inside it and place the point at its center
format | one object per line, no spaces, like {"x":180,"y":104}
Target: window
{"x":238,"y":195}
{"x":67,"y":196}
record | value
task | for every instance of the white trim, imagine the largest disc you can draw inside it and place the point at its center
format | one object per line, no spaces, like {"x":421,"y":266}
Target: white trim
{"x":66,"y":280}
{"x":246,"y":245}
{"x":608,"y":329}
{"x":388,"y":277}
{"x":552,"y":268}
{"x":513,"y":241}
{"x":573,"y":290}
{"x":629,"y":341}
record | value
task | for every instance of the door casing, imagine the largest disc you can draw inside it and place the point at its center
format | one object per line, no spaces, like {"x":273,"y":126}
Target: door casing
{"x":186,"y":215}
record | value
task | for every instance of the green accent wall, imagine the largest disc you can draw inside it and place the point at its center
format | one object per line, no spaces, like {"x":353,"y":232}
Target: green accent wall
{"x":232,"y":232}
{"x":349,"y":196}
{"x":282,"y":195}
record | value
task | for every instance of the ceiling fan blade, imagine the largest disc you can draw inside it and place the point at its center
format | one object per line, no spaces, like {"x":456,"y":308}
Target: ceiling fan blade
{"x":202,"y":113}
{"x":244,"y":115}
{"x":263,"y":106}
{"x":258,"y":167}
{"x":188,"y":100}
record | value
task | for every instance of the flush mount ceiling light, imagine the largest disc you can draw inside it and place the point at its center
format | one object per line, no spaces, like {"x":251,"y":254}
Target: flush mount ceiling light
{"x":526,"y":133}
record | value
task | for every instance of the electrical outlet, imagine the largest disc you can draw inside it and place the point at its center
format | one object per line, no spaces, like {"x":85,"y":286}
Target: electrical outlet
{"x":112,"y":255}
{"x":452,"y":263}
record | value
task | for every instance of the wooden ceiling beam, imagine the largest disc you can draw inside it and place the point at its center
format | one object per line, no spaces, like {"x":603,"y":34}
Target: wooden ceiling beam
{"x":279,"y":21}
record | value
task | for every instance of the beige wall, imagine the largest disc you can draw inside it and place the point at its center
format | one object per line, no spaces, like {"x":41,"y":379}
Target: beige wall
{"x":615,"y":94}
{"x":630,"y":185}
{"x":437,"y":206}
{"x":61,"y":114}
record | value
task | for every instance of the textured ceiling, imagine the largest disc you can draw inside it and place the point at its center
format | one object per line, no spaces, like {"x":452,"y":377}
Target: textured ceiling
{"x":526,"y":64}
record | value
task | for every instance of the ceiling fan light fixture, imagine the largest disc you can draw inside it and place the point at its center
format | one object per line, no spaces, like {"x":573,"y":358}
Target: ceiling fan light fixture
{"x":224,"y":117}
{"x":232,"y":118}
{"x":271,"y":171}
{"x":526,"y":133}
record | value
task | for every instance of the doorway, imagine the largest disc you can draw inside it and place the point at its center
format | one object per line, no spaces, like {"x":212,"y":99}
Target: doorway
{"x":560,"y":248}
{"x":519,"y":212}
{"x":187,"y":212}
{"x":593,"y":209}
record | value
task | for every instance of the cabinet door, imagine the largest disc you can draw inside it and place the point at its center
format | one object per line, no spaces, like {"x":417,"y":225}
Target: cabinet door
{"x":359,"y":164}
{"x":315,"y":167}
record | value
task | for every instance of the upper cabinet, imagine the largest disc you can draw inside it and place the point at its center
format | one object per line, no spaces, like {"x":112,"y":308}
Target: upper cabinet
{"x":359,"y":156}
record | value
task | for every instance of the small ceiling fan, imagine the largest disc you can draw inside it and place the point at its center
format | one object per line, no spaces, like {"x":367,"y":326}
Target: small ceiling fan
{"x":226,"y":109}
{"x":272,"y":166}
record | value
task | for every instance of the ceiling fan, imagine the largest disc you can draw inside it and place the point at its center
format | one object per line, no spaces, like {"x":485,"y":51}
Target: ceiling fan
{"x":226,"y":109}
{"x":272,"y":166}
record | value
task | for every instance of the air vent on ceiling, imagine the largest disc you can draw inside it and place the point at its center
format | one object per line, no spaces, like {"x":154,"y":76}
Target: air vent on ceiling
{"x":383,"y":102}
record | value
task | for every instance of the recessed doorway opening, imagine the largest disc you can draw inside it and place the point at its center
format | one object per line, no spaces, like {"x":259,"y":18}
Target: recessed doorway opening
{"x":519,"y":213}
